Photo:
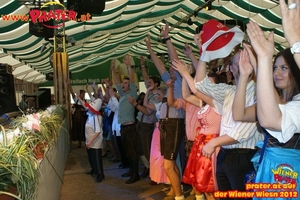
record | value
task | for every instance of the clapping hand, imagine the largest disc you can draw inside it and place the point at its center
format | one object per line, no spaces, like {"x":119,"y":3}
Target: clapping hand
{"x":290,"y":21}
{"x":245,"y":67}
{"x":179,"y":66}
{"x":264,"y":47}
{"x":170,"y":83}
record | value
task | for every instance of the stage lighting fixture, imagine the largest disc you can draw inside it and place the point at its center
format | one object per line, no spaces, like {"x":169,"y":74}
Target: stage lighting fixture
{"x":209,"y":5}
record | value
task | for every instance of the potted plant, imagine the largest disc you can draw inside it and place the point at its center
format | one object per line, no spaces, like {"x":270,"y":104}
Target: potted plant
{"x":18,"y":162}
{"x":18,"y":167}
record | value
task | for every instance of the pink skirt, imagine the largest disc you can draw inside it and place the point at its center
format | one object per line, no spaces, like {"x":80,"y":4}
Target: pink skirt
{"x":200,"y":171}
{"x":157,"y":172}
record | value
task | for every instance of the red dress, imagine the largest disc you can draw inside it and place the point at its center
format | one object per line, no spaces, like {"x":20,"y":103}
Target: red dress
{"x":200,"y":171}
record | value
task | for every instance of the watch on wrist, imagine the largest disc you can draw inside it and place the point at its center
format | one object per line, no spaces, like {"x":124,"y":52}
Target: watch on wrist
{"x":295,"y":48}
{"x":166,"y":39}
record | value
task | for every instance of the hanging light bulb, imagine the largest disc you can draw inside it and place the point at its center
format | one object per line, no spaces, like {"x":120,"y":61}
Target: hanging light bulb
{"x":209,"y":5}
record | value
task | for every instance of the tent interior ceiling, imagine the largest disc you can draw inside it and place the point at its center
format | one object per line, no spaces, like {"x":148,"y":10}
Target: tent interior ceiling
{"x":122,"y":28}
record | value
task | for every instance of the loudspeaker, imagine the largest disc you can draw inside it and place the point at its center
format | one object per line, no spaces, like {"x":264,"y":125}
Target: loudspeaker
{"x":44,"y":98}
{"x":49,"y":76}
{"x":5,"y":68}
{"x":7,"y":94}
{"x":86,"y":6}
{"x":93,"y":6}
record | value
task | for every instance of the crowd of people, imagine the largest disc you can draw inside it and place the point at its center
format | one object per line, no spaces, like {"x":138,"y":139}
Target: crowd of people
{"x":203,"y":128}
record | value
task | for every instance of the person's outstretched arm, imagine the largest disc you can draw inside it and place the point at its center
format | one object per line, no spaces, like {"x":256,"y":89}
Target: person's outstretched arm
{"x":186,"y":95}
{"x":189,"y":53}
{"x":171,"y":49}
{"x":291,"y":25}
{"x":144,"y":70}
{"x":268,"y":112}
{"x":146,"y":101}
{"x":87,"y":90}
{"x":114,"y":73}
{"x":182,"y":69}
{"x":239,"y":111}
{"x":156,"y":60}
{"x":172,"y":102}
{"x":71,"y":88}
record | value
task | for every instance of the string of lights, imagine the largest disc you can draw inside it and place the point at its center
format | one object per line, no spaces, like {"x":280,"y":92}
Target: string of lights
{"x":187,"y":18}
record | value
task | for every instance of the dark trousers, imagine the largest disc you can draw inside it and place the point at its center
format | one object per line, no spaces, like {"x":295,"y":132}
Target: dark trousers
{"x":130,"y":140}
{"x":95,"y":160}
{"x":145,"y":131}
{"x":122,"y":152}
{"x":78,"y":126}
{"x":232,"y":167}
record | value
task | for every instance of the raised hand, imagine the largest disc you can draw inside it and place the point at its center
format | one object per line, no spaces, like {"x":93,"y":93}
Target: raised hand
{"x":198,"y":40}
{"x":264,"y":47}
{"x":165,"y":30}
{"x":290,"y":21}
{"x":252,"y":56}
{"x":106,"y":81}
{"x":179,"y":66}
{"x":245,"y":67}
{"x":188,"y":50}
{"x":93,"y":84}
{"x":148,"y":42}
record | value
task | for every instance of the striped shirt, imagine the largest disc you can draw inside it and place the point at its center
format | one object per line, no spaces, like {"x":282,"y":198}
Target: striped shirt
{"x":246,"y":133}
{"x":178,"y":112}
{"x":151,"y":118}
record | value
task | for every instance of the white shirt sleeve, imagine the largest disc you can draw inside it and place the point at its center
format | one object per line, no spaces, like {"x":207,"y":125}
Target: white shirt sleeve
{"x":215,"y":91}
{"x":290,"y":123}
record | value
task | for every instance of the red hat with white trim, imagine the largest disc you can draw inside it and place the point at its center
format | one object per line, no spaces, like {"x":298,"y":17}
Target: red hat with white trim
{"x":94,"y":106}
{"x":218,"y":40}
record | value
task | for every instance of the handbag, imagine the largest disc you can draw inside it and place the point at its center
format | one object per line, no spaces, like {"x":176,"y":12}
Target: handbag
{"x":250,"y":176}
